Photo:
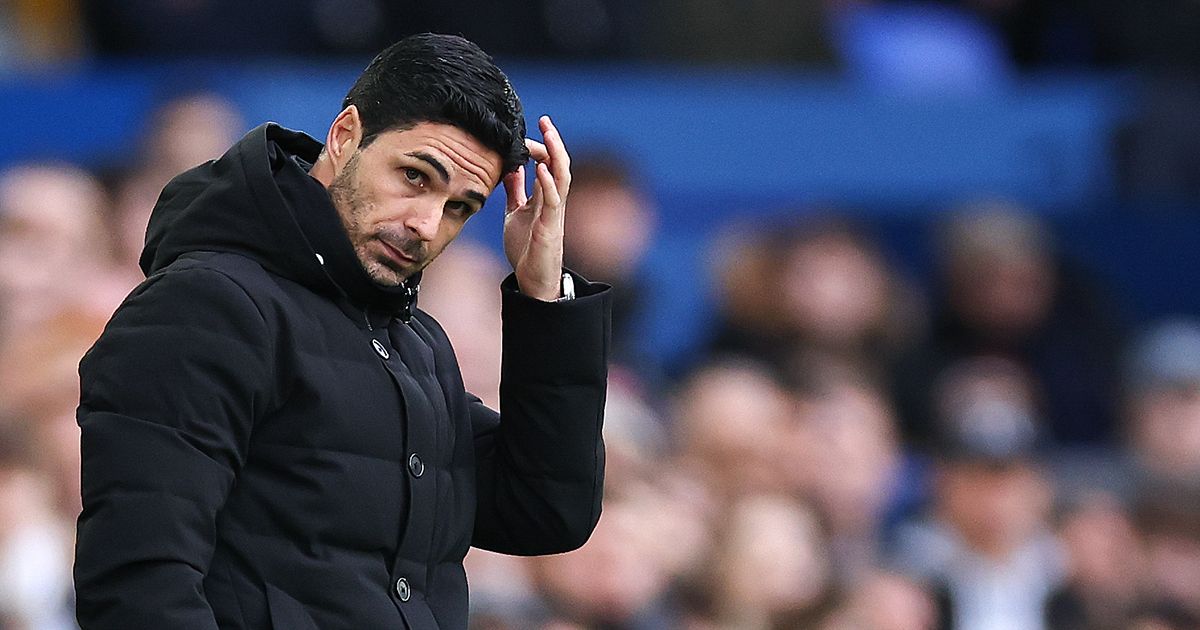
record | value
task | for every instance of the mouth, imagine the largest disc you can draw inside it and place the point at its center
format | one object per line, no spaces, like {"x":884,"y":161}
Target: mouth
{"x":397,"y":254}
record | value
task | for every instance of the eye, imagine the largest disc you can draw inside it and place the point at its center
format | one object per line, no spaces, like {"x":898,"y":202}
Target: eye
{"x":459,"y":208}
{"x":413,"y":176}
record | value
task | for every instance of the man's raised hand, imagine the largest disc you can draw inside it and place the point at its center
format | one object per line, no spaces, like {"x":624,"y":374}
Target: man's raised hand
{"x":533,"y":226}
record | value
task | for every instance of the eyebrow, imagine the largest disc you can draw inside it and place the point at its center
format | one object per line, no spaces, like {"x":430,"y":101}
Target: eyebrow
{"x":445,"y":174}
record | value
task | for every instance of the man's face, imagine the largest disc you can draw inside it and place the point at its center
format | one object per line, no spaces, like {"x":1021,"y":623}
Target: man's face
{"x":408,"y":194}
{"x":996,"y":506}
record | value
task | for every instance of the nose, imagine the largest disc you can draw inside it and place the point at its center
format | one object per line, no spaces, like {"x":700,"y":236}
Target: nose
{"x":425,"y":220}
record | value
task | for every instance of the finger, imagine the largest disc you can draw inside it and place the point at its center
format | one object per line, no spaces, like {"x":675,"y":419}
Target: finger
{"x":551,"y":215}
{"x":514,"y":190}
{"x":537,"y":150}
{"x":535,"y":202}
{"x":559,"y":160}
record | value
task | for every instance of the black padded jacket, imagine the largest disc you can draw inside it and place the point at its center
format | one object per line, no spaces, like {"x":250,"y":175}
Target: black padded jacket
{"x":270,"y":440}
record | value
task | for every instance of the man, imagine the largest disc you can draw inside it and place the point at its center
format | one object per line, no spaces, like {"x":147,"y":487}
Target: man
{"x":273,"y":437}
{"x":985,"y":544}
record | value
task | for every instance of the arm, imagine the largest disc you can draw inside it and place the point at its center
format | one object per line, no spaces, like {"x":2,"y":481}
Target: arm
{"x":540,"y":471}
{"x":168,"y":394}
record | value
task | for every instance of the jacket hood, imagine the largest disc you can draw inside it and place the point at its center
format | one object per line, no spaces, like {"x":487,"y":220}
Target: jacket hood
{"x":259,"y":201}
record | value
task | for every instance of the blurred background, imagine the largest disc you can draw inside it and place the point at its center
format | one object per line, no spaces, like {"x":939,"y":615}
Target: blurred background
{"x":906,"y":330}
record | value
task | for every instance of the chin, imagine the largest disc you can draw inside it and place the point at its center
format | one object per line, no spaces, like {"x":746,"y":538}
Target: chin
{"x":385,"y":276}
{"x":391,"y":280}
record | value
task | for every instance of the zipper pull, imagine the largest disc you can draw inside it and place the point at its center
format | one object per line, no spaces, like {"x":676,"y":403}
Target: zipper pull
{"x":410,"y":294}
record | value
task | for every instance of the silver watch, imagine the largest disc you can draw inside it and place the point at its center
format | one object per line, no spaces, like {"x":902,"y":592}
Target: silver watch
{"x":568,"y":288}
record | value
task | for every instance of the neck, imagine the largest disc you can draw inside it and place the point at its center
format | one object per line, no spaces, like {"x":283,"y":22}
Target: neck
{"x":323,"y":170}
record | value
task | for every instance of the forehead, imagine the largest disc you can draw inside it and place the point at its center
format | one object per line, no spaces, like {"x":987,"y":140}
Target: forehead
{"x":467,"y":159}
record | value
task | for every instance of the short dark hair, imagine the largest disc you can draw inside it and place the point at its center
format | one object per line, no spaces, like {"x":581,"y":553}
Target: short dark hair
{"x":442,"y":79}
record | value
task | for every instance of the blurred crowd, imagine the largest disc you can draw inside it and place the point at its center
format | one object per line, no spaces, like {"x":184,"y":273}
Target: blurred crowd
{"x":849,"y":448}
{"x":69,"y":245}
{"x":989,"y":447}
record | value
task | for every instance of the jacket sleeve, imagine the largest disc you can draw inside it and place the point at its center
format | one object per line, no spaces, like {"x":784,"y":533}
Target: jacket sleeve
{"x":540,"y":462}
{"x":168,"y":395}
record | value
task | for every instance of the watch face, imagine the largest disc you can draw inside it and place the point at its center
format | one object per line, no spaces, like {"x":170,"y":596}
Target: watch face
{"x":568,"y":288}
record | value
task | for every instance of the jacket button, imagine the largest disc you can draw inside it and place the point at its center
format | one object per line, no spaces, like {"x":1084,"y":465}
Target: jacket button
{"x":379,"y":349}
{"x":402,"y":590}
{"x":415,"y":465}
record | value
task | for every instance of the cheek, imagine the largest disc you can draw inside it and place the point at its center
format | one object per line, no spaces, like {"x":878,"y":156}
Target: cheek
{"x":448,"y":230}
{"x":376,"y":207}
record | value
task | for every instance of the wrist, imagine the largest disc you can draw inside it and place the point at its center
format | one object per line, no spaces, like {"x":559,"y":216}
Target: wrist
{"x":560,"y":291}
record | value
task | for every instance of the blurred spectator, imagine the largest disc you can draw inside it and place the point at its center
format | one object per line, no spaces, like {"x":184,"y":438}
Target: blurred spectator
{"x":57,"y":289}
{"x":986,"y":544}
{"x":743,"y":260}
{"x":672,"y":514}
{"x":821,"y":286}
{"x":1168,"y":517}
{"x":835,"y":291}
{"x":885,"y":601}
{"x":1104,"y":567}
{"x":635,"y":438}
{"x":35,"y":545}
{"x":615,"y":580}
{"x":1007,"y":294}
{"x":677,"y":505}
{"x":845,"y":455}
{"x":53,"y":246}
{"x":39,"y":379}
{"x":769,"y":568}
{"x":39,"y":372}
{"x":183,"y":132}
{"x":609,"y":228}
{"x":57,"y":457}
{"x":729,"y":419}
{"x":1162,"y":401}
{"x":992,"y":398}
{"x":462,"y":292}
{"x":186,"y":131}
{"x":503,"y":596}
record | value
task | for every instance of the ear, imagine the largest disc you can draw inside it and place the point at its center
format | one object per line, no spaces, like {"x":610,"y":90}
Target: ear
{"x":344,"y":137}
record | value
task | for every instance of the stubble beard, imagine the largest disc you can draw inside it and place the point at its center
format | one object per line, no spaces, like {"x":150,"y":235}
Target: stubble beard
{"x":353,"y":207}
